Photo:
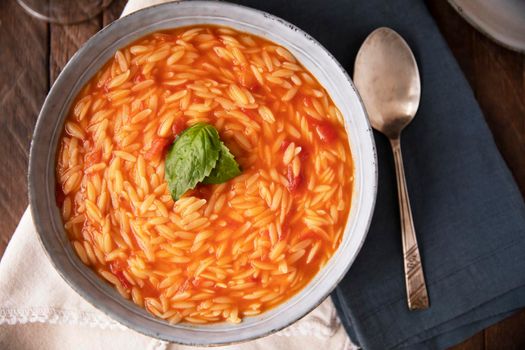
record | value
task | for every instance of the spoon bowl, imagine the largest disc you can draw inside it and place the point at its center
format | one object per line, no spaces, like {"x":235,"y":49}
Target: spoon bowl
{"x":387,"y":78}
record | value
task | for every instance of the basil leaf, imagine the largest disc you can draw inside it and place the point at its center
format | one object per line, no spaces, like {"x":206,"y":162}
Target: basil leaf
{"x":225,"y":169}
{"x":191,"y":158}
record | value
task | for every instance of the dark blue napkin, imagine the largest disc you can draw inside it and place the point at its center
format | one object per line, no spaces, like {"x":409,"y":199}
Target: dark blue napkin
{"x":468,"y":212}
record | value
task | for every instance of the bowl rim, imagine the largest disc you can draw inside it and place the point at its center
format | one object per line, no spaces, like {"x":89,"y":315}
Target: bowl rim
{"x":33,"y":172}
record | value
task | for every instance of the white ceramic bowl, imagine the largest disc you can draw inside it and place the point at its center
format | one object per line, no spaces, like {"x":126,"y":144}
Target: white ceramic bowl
{"x":89,"y":59}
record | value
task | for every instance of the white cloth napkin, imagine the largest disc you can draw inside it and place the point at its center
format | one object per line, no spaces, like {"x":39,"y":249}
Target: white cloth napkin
{"x":38,"y":309}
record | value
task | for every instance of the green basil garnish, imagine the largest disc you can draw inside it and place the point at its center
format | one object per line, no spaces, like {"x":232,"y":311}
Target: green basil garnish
{"x":198,"y":155}
{"x":225,"y":169}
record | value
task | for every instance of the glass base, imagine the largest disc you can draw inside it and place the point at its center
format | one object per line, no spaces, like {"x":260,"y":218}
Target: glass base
{"x":64,"y":11}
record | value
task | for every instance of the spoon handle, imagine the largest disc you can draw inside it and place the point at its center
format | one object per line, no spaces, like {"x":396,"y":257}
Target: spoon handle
{"x":414,"y":278}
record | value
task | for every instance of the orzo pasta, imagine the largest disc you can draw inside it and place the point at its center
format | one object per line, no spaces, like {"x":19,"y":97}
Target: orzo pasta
{"x":221,"y":252}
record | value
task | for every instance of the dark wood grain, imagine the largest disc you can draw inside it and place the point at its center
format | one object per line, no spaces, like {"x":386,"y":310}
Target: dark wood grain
{"x":32,"y":54}
{"x":66,"y":40}
{"x":24,"y":52}
{"x":476,"y":342}
{"x":508,"y":334}
{"x":112,"y":12}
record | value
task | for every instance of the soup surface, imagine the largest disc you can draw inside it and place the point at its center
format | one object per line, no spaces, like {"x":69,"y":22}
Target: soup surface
{"x":221,"y":252}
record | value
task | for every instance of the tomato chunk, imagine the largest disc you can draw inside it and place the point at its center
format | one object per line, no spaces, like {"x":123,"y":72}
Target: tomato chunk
{"x":293,"y":181}
{"x":202,"y":192}
{"x":251,"y":113}
{"x":307,"y":101}
{"x":305,"y":153}
{"x":326,"y":131}
{"x":285,"y":229}
{"x":116,"y":267}
{"x":157,"y":147}
{"x":178,"y":126}
{"x":245,"y":78}
{"x":284,"y":144}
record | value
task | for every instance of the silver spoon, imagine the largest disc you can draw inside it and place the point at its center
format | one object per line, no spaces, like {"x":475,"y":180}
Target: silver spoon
{"x":387,"y":78}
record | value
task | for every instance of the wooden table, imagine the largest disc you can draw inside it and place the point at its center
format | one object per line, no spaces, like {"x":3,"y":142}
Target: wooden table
{"x":32,"y":53}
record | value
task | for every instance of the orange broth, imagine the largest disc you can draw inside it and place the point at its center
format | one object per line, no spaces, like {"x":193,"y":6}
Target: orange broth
{"x":221,"y":252}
